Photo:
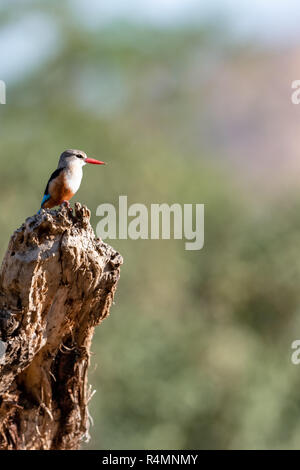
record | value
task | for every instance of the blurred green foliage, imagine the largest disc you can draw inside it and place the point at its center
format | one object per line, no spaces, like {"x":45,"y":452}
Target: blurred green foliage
{"x":196,"y":353}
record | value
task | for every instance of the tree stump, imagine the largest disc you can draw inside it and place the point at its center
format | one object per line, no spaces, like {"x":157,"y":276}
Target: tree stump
{"x":57,"y":283}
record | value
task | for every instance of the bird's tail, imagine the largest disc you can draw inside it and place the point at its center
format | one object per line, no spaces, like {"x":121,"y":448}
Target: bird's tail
{"x":45,"y":198}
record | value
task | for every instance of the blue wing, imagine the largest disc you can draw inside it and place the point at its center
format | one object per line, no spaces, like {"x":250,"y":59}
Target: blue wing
{"x":45,"y":198}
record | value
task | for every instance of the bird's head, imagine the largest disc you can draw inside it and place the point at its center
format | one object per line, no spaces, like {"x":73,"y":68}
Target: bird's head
{"x":76,"y":157}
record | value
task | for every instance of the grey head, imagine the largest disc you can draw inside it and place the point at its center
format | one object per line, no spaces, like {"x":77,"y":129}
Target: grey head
{"x":72,"y":157}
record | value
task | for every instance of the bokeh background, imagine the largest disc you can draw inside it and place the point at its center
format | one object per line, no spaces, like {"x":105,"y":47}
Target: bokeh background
{"x":189,"y":102}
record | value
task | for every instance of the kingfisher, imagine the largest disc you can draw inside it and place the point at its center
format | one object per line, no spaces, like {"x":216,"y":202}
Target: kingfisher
{"x":66,"y":180}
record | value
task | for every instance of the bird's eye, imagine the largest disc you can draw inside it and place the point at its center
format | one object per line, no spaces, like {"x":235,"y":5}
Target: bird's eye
{"x":79,"y":156}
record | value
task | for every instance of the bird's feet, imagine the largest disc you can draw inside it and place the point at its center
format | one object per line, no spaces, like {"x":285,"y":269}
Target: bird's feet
{"x":67,"y":204}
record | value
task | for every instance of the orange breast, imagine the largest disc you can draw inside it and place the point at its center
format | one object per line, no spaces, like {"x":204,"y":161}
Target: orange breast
{"x":59,"y":190}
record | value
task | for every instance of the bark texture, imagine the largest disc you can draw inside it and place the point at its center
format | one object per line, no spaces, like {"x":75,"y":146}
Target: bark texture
{"x":57,"y":283}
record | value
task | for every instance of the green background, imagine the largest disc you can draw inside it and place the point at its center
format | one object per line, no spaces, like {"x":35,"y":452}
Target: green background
{"x":197,"y":350}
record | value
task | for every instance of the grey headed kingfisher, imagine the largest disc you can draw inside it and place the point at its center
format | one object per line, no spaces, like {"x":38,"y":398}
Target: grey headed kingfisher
{"x":66,"y":180}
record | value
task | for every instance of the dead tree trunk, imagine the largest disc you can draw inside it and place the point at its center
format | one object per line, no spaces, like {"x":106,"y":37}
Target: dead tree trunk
{"x":57,"y":282}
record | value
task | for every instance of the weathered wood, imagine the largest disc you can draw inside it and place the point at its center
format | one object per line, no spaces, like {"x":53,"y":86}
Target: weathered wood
{"x":57,"y":282}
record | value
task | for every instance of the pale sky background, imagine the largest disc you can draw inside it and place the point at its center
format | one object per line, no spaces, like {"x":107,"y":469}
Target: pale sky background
{"x":277,"y":18}
{"x":23,"y":45}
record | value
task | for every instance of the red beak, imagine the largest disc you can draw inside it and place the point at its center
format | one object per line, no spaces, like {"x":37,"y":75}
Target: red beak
{"x":94,"y":162}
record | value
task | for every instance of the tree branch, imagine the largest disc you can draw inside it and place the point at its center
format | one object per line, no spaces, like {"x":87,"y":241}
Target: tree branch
{"x":57,"y":282}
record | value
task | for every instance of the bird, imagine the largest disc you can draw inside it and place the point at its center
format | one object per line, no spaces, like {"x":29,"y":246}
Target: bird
{"x":66,"y":179}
